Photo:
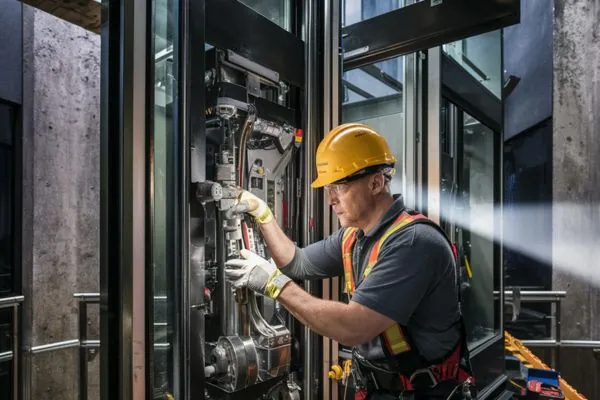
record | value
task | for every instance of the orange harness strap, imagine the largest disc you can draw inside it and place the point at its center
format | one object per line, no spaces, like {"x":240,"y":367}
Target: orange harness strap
{"x":394,"y":336}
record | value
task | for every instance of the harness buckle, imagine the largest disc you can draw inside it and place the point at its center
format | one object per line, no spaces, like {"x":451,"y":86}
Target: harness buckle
{"x":420,"y":377}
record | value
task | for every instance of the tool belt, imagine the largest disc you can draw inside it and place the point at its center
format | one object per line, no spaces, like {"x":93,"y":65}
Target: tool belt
{"x":375,"y":379}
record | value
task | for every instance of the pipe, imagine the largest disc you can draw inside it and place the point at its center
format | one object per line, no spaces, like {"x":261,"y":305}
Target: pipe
{"x":311,"y":107}
{"x":87,"y":297}
{"x":246,"y":131}
{"x":6,"y":356}
{"x":563,"y":343}
{"x":10,"y":301}
{"x":67,"y":344}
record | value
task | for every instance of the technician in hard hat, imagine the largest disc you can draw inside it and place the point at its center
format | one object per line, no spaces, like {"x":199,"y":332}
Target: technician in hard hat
{"x":402,"y":318}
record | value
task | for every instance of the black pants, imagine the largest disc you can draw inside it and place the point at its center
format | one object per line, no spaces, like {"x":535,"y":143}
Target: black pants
{"x":440,"y":392}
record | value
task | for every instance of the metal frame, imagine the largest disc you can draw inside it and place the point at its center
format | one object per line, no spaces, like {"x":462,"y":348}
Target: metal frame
{"x":434,"y":103}
{"x":123,"y":199}
{"x":461,"y":93}
{"x":13,"y":302}
{"x":190,"y":279}
{"x":254,"y":38}
{"x":484,"y":355}
{"x":331,"y":118}
{"x":424,"y":25}
{"x":469,"y":94}
{"x":310,"y":206}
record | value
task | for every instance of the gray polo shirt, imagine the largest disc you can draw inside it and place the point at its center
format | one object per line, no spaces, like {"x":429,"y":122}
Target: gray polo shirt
{"x":413,"y":281}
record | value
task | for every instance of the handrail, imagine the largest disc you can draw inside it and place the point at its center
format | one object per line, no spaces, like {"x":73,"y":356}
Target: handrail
{"x":11,"y":301}
{"x":87,"y":297}
{"x":65,"y":344}
{"x":85,"y":344}
{"x":6,"y":356}
{"x":94,"y":297}
{"x":534,"y":296}
{"x":593,"y":344}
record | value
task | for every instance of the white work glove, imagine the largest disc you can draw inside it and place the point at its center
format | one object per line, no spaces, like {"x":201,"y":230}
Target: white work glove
{"x":255,"y":273}
{"x":257,"y":208}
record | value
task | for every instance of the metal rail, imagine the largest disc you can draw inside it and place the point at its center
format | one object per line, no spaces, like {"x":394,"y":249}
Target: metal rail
{"x":591,"y":344}
{"x":534,"y":296}
{"x":13,"y":302}
{"x":44,"y":348}
{"x":516,"y":297}
{"x":86,"y":345}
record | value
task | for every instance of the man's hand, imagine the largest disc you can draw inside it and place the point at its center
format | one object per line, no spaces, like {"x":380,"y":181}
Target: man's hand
{"x":255,"y":273}
{"x":257,"y":208}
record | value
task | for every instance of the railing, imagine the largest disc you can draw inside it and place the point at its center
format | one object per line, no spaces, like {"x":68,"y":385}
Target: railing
{"x":515,"y":297}
{"x":14,"y":303}
{"x":84,"y":299}
{"x":85,"y":344}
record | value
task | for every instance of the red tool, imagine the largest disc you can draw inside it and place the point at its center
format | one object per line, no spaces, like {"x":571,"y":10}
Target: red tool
{"x":543,"y":391}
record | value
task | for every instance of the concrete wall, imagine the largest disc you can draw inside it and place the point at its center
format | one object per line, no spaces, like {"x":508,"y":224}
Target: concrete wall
{"x":576,"y":183}
{"x":61,"y":128}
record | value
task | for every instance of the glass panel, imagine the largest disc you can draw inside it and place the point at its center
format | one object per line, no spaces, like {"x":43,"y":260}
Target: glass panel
{"x":476,"y":193}
{"x":6,"y":199}
{"x":358,"y":10}
{"x":373,"y":95}
{"x":6,"y":332}
{"x":164,"y":377}
{"x":6,"y":344}
{"x":6,"y":124}
{"x":6,"y":379}
{"x":481,"y":57}
{"x":277,"y":11}
{"x":468,"y":176}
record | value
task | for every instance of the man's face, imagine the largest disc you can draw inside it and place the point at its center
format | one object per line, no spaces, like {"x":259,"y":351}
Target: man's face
{"x":352,"y":201}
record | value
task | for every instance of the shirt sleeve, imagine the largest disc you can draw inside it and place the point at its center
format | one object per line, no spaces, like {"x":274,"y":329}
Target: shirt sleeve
{"x":402,"y":276}
{"x":322,"y":259}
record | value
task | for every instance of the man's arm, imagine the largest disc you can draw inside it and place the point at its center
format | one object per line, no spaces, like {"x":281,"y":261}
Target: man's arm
{"x":282,"y":249}
{"x":318,"y":260}
{"x":342,"y":322}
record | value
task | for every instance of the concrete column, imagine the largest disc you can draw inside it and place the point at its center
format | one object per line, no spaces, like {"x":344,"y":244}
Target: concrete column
{"x":576,"y":184}
{"x":61,"y":195}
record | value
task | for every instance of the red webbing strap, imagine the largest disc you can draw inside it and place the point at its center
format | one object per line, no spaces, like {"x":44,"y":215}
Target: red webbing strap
{"x":348,"y":241}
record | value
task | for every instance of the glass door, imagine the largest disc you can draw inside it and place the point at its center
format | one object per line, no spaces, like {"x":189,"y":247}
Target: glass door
{"x":9,"y":279}
{"x":468,"y":178}
{"x":470,"y":165}
{"x":164,"y":159}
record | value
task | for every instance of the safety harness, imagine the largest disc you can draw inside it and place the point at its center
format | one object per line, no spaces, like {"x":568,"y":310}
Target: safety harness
{"x":403,"y":359}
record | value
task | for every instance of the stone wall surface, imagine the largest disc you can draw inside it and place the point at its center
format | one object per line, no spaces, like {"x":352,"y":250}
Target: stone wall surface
{"x":61,"y":193}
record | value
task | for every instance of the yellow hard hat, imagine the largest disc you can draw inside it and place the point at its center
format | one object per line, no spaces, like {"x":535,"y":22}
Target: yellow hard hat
{"x":348,"y":149}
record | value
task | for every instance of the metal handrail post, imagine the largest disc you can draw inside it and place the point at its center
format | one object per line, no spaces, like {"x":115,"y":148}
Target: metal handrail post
{"x":83,"y":352}
{"x":15,"y":346}
{"x":553,"y":332}
{"x":557,"y":316}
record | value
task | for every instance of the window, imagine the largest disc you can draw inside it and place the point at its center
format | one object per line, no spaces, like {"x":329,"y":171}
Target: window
{"x":373,"y":95}
{"x":277,"y":11}
{"x":480,"y":56}
{"x":7,"y":268}
{"x":358,"y":10}
{"x":163,"y":296}
{"x":468,"y":179}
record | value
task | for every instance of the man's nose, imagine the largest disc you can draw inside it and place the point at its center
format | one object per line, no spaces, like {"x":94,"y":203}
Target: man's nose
{"x":332,"y":197}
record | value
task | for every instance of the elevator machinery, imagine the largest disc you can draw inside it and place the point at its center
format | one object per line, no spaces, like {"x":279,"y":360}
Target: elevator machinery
{"x":252,"y":139}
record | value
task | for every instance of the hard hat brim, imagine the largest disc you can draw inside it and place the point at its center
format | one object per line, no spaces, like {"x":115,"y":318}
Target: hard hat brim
{"x":319,"y":182}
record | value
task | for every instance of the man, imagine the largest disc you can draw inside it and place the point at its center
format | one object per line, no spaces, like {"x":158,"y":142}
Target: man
{"x":403,"y":317}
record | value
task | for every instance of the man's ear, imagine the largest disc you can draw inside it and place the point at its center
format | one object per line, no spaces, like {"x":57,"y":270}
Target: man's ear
{"x":378,"y":183}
